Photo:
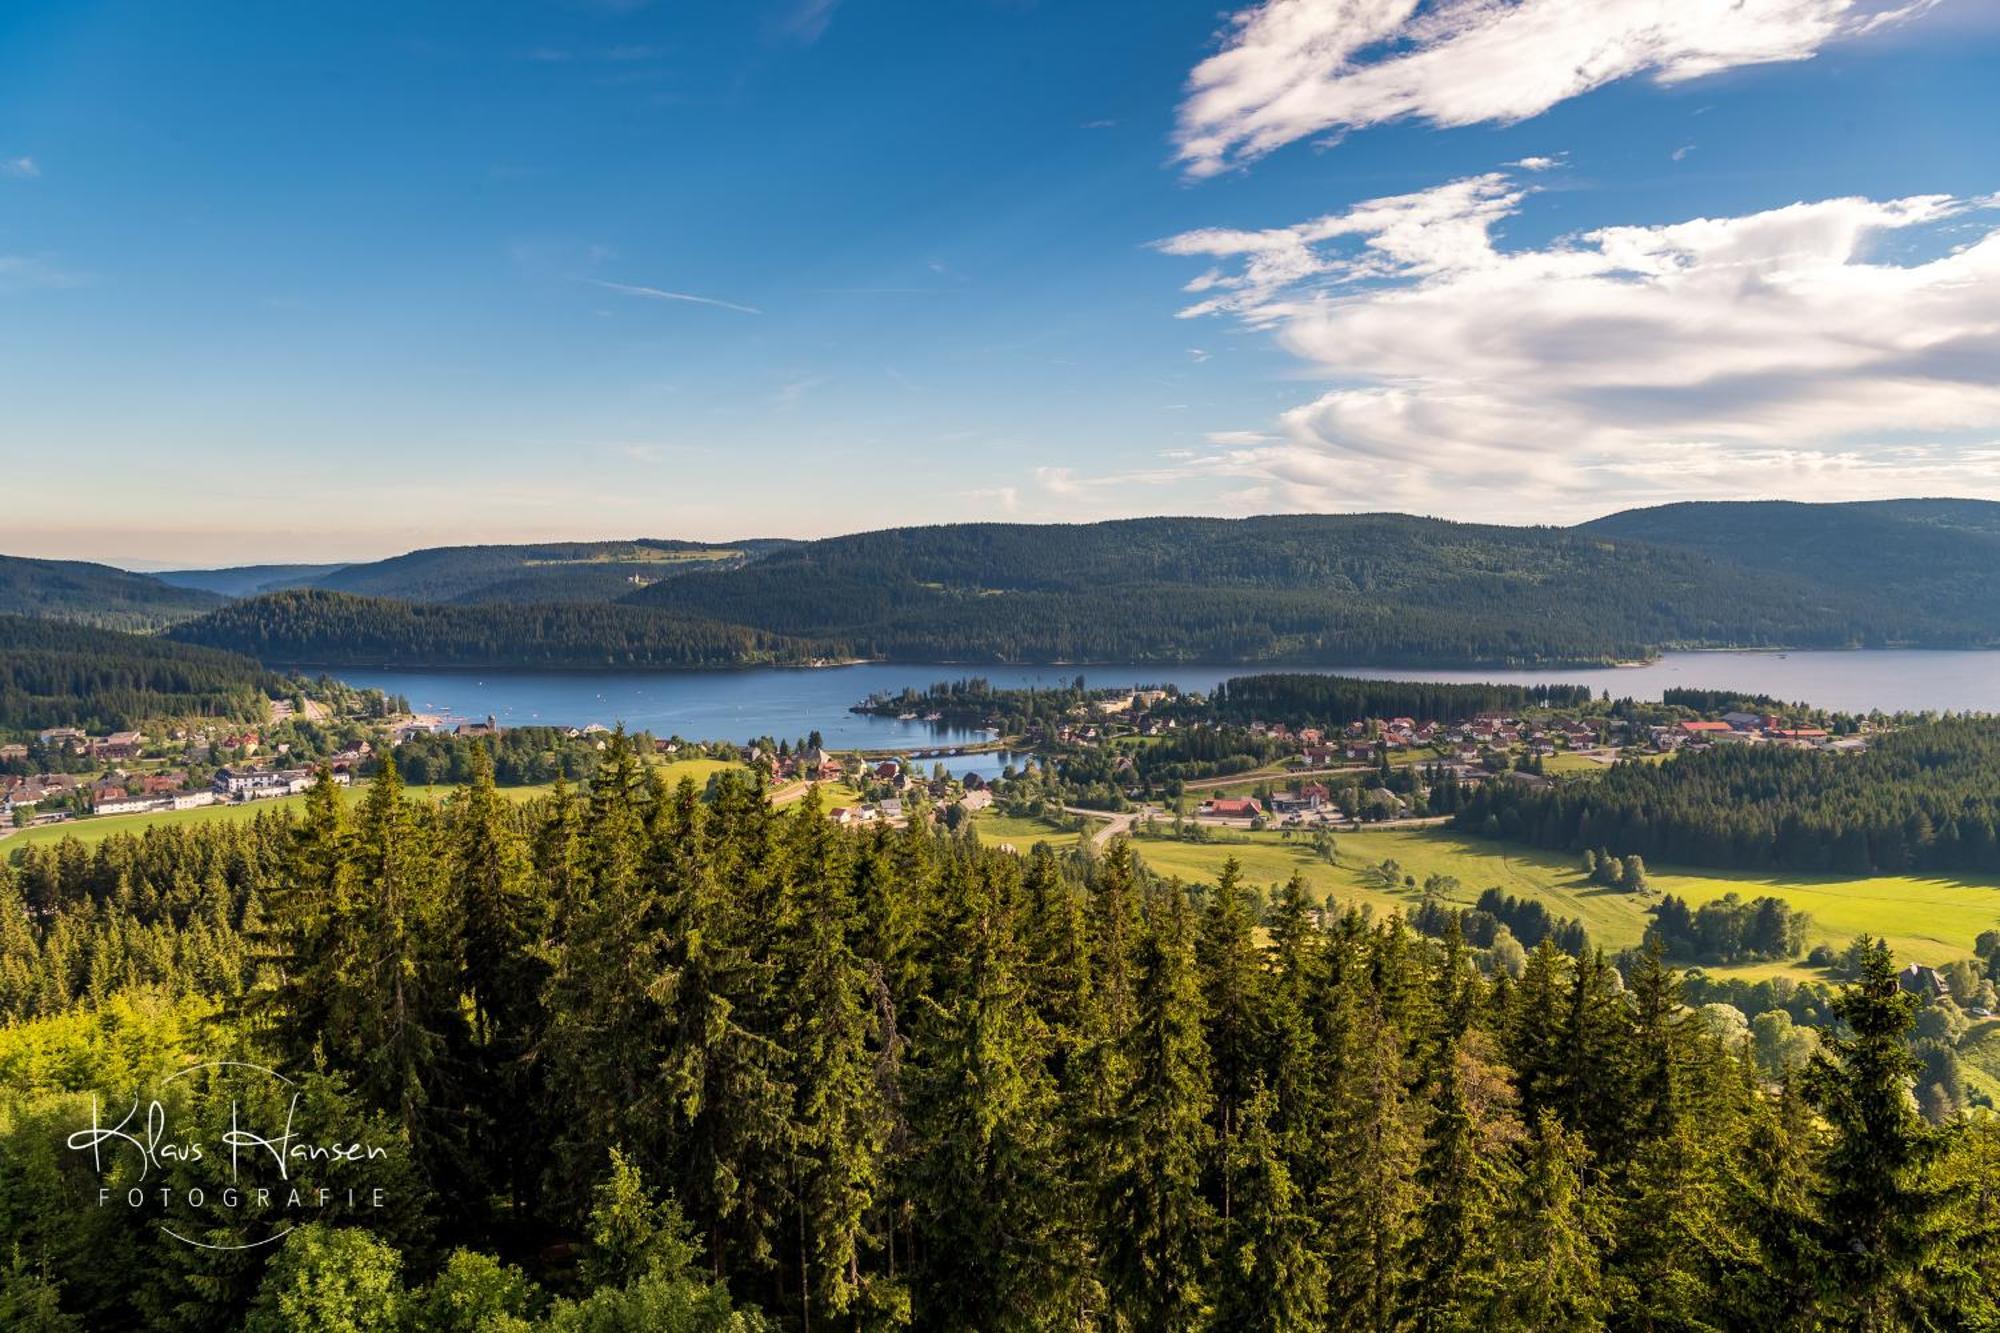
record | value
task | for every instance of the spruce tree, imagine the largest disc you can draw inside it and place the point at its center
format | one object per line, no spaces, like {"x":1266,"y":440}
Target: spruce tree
{"x":1157,"y":1223}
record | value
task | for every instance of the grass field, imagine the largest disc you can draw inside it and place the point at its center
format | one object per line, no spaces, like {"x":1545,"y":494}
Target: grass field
{"x":1925,"y":920}
{"x":995,"y":828}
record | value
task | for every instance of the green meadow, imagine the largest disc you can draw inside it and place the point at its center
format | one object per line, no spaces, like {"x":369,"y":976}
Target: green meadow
{"x":1925,"y":919}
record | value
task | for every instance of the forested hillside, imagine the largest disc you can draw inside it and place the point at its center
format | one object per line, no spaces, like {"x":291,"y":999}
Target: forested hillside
{"x":329,"y":629}
{"x":1922,"y":798}
{"x":547,"y":572}
{"x":1359,"y":589}
{"x":246,"y":580}
{"x":644,"y":1061}
{"x":1938,"y":557}
{"x":54,"y":674}
{"x":1356,"y":589}
{"x":95,"y":594}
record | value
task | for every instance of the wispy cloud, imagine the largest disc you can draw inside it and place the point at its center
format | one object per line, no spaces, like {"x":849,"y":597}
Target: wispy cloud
{"x":1773,"y":352}
{"x":806,"y":20}
{"x":1295,"y":69}
{"x":21,"y":168}
{"x":661,"y":294}
{"x":18,"y":272}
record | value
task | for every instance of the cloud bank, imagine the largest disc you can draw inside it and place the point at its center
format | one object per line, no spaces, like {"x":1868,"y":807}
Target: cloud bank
{"x":1778,"y":352}
{"x":1292,"y":69}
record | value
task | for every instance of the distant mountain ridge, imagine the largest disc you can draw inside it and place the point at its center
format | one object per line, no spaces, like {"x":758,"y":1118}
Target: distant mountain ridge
{"x":1384,"y":589}
{"x":600,"y":571}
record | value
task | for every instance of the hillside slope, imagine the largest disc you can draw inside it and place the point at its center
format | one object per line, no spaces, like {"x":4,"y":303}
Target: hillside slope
{"x":313,"y":627}
{"x":1365,"y":588}
{"x":54,"y":674}
{"x":1940,"y":558}
{"x":95,"y":594}
{"x":548,"y":572}
{"x":247,"y":580}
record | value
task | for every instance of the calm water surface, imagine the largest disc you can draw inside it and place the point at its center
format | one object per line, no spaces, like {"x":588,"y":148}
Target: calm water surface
{"x":790,"y":702}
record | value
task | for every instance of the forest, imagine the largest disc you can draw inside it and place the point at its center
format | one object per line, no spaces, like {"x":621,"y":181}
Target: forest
{"x":649,"y":1058}
{"x":1924,"y":797}
{"x":58,"y":674}
{"x":1357,"y":589}
{"x":329,"y":629}
{"x":1335,"y":701}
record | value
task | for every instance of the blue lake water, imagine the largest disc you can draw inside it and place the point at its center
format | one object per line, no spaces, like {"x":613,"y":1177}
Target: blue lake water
{"x":791,"y":702}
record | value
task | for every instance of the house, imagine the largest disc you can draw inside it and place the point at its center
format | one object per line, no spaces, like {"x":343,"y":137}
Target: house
{"x":65,"y":738}
{"x":9,"y":753}
{"x":975,"y":800}
{"x":1227,"y":807}
{"x":190,"y":800}
{"x":1705,"y":731}
{"x":888,"y":771}
{"x":1925,"y":981}
{"x":478,"y":729}
{"x":1744,"y":721}
{"x":121,"y":745}
{"x":119,"y":803}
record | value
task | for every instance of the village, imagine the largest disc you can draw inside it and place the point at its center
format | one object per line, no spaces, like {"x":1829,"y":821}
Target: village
{"x":1368,"y":771}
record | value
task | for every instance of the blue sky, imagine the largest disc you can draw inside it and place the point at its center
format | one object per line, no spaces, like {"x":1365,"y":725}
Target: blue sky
{"x":314,"y":281}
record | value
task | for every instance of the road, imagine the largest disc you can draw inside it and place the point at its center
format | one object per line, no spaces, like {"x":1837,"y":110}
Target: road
{"x":1114,"y":823}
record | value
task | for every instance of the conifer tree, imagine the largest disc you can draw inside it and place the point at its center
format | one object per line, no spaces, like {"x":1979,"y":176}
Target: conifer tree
{"x":1880,"y":1211}
{"x":1273,"y":1277}
{"x":1157,"y":1222}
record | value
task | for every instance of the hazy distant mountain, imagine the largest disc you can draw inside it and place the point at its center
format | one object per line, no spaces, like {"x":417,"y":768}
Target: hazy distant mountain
{"x":95,"y":594}
{"x":544,"y":572}
{"x":247,"y":580}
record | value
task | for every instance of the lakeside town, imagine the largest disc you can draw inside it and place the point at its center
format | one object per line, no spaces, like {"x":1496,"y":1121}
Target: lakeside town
{"x":1077,"y":753}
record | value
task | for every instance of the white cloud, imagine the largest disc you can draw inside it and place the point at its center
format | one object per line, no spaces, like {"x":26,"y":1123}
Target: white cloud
{"x":1774,"y":353}
{"x":1537,"y":163}
{"x":660,"y":294}
{"x":1292,"y":69}
{"x":22,"y":168}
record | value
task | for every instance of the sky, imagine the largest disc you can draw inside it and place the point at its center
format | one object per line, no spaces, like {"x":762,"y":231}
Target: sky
{"x":315,"y":281}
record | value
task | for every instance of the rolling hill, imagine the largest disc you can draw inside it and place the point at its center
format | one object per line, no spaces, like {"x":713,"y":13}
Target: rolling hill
{"x":57,"y":674}
{"x":1354,"y":589}
{"x":95,"y":594}
{"x":247,"y":580}
{"x":1368,"y":588}
{"x":316,"y":628}
{"x":471,"y":575}
{"x":1940,"y":558}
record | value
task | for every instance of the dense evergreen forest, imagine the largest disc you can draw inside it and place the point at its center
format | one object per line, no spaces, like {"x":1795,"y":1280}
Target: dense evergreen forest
{"x":56,"y":674}
{"x":1924,"y":797}
{"x":1364,"y":589}
{"x":338,"y":630}
{"x":95,"y":594}
{"x":1335,"y":701}
{"x":650,"y":1060}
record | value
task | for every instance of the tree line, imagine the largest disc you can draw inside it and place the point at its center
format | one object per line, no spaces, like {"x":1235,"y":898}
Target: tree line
{"x":1924,"y":797}
{"x":316,"y":628}
{"x":1298,"y":700}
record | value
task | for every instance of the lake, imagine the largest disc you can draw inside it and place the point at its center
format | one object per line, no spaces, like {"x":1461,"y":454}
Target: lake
{"x":788,"y":703}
